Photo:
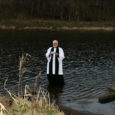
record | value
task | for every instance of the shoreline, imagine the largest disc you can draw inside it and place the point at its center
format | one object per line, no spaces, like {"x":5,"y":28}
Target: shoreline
{"x":58,"y":25}
{"x":8,"y":103}
{"x":85,"y":28}
{"x":70,"y":111}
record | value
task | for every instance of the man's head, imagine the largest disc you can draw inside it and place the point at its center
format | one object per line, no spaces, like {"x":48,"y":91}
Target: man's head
{"x":55,"y":43}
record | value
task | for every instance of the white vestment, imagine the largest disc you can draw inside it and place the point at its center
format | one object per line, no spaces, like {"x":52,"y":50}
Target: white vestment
{"x":60,"y":59}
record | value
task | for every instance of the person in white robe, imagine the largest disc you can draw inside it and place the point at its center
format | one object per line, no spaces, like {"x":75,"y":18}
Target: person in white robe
{"x":55,"y":56}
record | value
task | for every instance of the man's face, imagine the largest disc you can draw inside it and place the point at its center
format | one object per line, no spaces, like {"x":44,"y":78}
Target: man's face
{"x":55,"y":44}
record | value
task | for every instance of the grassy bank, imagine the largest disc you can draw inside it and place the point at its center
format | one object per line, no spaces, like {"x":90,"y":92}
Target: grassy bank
{"x":27,"y":102}
{"x":22,"y":106}
{"x":31,"y":24}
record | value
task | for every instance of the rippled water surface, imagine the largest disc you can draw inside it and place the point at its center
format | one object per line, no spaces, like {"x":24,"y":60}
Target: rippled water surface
{"x":89,"y":66}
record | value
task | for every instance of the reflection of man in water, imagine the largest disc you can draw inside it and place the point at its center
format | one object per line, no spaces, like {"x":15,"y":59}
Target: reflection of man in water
{"x":55,"y":56}
{"x":55,"y":93}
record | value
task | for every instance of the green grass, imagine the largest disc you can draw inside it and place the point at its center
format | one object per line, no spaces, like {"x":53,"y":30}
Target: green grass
{"x":24,"y":107}
{"x":53,"y":23}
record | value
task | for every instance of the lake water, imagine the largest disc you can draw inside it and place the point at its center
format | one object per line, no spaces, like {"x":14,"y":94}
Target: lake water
{"x":89,"y":66}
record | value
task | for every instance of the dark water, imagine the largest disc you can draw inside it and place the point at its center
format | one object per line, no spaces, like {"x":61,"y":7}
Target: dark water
{"x":89,"y":66}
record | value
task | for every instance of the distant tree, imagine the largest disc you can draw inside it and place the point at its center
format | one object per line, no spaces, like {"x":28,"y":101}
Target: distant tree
{"x":86,"y":10}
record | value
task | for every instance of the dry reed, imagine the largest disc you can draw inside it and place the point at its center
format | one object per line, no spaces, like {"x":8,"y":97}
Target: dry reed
{"x":29,"y":104}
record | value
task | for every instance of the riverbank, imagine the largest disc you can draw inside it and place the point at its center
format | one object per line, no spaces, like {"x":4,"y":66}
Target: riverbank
{"x":21,"y":106}
{"x":70,"y":111}
{"x":36,"y":24}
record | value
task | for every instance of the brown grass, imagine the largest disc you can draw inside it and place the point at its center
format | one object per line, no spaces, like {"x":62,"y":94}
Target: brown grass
{"x":28,"y":104}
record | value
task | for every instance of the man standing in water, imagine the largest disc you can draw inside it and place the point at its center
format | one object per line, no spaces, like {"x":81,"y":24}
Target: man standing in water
{"x":55,"y":56}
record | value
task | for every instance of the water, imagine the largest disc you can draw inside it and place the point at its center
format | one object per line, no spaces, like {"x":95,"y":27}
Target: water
{"x":89,"y":66}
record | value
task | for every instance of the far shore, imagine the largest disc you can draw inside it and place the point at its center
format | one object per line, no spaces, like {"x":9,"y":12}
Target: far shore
{"x":41,"y":24}
{"x":3,"y":27}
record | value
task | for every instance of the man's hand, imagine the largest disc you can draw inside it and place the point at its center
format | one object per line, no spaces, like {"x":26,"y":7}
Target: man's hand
{"x":53,"y":53}
{"x":56,"y":54}
{"x":50,"y":53}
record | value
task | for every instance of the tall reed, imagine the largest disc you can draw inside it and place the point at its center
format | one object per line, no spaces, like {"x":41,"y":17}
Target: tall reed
{"x":29,"y":103}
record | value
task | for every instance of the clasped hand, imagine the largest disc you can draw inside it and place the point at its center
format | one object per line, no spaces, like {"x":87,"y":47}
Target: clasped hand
{"x":53,"y":53}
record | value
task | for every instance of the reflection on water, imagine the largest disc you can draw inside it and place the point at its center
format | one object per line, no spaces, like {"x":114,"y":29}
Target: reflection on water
{"x":89,"y":66}
{"x":55,"y":92}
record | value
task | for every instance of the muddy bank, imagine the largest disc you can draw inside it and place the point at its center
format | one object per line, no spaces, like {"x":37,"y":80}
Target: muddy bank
{"x":3,"y":27}
{"x":70,"y":111}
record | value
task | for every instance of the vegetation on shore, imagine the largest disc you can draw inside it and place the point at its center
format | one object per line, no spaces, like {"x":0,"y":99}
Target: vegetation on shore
{"x":22,"y":106}
{"x":27,"y":102}
{"x":55,"y":24}
{"x":57,"y":15}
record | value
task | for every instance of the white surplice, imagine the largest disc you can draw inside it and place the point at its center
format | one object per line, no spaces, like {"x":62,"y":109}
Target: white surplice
{"x":60,"y":59}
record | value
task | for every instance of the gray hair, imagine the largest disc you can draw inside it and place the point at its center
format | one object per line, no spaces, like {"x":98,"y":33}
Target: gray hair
{"x":55,"y":41}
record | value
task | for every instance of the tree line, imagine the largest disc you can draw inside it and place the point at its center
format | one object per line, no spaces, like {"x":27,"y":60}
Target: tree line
{"x":80,"y":10}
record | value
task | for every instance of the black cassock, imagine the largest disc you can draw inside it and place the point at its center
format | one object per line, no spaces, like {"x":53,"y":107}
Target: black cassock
{"x":54,"y":66}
